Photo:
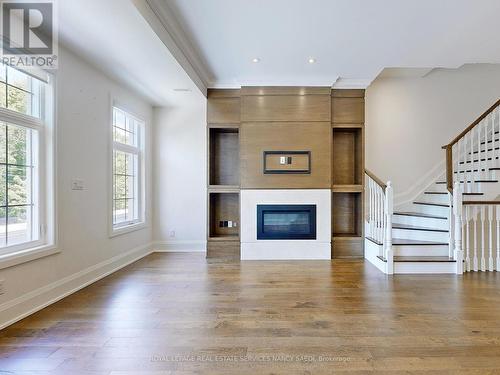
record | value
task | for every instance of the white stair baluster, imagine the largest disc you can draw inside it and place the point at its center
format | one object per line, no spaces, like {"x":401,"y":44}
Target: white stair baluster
{"x":475,"y":214}
{"x":470,"y":174}
{"x":457,"y":212}
{"x":498,"y":237}
{"x":490,"y":217}
{"x":473,"y":175}
{"x":483,"y":235}
{"x":467,"y":238}
{"x":388,"y":210}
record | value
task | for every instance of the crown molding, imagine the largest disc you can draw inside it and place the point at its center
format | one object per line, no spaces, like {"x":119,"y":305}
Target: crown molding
{"x":162,"y":21}
{"x":351,"y":83}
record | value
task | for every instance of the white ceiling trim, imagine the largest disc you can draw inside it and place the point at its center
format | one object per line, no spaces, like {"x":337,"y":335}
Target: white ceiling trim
{"x":352,"y":83}
{"x":170,"y":33}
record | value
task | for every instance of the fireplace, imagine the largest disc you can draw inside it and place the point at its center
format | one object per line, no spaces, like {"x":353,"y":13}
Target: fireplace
{"x":286,"y":222}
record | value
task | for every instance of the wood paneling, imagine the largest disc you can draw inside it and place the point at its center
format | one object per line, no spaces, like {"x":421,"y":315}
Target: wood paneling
{"x":289,"y":108}
{"x":223,"y":111}
{"x":300,"y":136}
{"x":346,"y":214}
{"x":347,"y":247}
{"x":223,"y":93}
{"x":224,"y":207}
{"x":347,"y":157}
{"x":345,"y":93}
{"x":223,"y":250}
{"x":224,"y":157}
{"x":348,"y":110}
{"x":284,"y":90}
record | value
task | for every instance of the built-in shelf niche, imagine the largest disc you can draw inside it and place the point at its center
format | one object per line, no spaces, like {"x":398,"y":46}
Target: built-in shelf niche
{"x":347,"y":166}
{"x":347,"y":214}
{"x":224,"y":151}
{"x":224,"y":207}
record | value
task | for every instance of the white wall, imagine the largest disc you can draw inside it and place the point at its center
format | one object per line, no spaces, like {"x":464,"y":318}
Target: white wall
{"x":409,"y":119}
{"x":86,"y":251}
{"x":180,"y":175}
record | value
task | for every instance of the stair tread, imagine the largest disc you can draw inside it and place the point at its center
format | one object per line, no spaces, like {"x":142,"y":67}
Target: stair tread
{"x":416,"y":227}
{"x":436,"y":192}
{"x":431,"y":204}
{"x":468,"y":181}
{"x":426,"y":259}
{"x":418,"y":214}
{"x":406,"y":242}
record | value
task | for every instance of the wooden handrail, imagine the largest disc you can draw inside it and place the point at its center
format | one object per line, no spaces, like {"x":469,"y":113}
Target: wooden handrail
{"x":469,"y":128}
{"x":473,"y":203}
{"x":449,"y":146}
{"x":376,"y":179}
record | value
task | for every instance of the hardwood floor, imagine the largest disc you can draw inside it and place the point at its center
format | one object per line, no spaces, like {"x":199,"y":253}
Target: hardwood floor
{"x":179,"y":314}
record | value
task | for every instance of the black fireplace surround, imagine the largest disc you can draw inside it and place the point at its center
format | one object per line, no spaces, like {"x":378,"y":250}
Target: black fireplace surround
{"x":286,"y":222}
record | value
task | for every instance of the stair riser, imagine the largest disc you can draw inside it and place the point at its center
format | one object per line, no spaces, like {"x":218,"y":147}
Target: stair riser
{"x":420,"y":235}
{"x":421,"y":250}
{"x":420,"y":221}
{"x":435,"y":198}
{"x":424,"y":267}
{"x":430,"y":210}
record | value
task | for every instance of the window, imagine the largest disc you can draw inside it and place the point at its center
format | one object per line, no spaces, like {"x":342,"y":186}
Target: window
{"x":127,"y":169}
{"x":24,"y":203}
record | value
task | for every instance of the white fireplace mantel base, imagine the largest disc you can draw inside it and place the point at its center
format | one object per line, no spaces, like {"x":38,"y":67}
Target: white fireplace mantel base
{"x":253,"y":249}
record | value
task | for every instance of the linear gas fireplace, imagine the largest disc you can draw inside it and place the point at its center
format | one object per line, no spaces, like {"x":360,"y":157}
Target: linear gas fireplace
{"x":286,"y":222}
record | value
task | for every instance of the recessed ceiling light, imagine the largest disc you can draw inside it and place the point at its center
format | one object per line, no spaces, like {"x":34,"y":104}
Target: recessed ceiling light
{"x":311,"y":60}
{"x":255,"y":60}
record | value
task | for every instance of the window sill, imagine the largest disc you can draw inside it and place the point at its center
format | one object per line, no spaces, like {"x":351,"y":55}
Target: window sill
{"x":28,"y":255}
{"x":127,"y":229}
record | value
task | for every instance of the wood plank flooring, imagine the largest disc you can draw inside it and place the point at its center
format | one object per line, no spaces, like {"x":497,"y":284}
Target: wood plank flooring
{"x":179,"y":314}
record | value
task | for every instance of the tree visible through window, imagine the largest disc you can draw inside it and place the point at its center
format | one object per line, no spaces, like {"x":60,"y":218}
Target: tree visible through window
{"x":127,"y":153}
{"x":19,"y":157}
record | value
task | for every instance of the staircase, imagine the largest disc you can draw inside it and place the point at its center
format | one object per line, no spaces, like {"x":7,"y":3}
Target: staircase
{"x":431,"y":234}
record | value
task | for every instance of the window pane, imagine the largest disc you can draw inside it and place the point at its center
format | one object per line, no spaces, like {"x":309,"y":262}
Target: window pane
{"x":130,"y":209}
{"x":3,"y":185}
{"x":3,"y":142}
{"x":19,"y":187}
{"x":18,"y":100}
{"x":120,"y":163}
{"x":18,"y":79}
{"x":19,"y":145}
{"x":18,"y":225}
{"x":3,"y":95}
{"x":3,"y":226}
{"x":2,"y":73}
{"x":119,"y":188}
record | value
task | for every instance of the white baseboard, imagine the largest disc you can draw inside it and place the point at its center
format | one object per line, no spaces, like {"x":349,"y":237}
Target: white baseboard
{"x":180,"y":246}
{"x":29,"y":303}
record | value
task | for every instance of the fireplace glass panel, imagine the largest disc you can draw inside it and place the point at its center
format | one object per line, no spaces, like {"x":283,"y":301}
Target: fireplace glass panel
{"x":276,"y":222}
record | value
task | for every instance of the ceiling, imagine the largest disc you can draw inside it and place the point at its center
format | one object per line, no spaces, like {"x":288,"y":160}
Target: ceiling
{"x":113,"y":36}
{"x":352,"y":41}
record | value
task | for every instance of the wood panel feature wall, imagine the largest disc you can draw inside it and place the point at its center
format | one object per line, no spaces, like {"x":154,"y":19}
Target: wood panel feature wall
{"x":223,"y":180}
{"x":285,"y":119}
{"x":348,"y":117}
{"x":285,"y":136}
{"x":242,"y":124}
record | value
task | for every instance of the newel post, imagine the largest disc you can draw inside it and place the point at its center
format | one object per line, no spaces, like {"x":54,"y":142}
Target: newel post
{"x":457,"y":211}
{"x":388,"y":210}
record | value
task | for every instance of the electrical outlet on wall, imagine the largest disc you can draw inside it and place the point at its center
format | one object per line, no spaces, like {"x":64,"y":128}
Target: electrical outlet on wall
{"x":172,"y":234}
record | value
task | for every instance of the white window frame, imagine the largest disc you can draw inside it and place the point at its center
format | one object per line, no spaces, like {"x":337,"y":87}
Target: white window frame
{"x":46,"y":244}
{"x":140,"y":151}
